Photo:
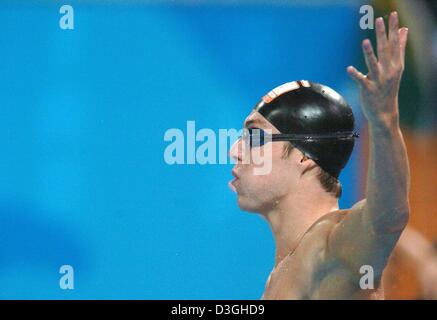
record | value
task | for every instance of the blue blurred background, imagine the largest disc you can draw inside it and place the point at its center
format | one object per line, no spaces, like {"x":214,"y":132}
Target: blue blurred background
{"x":83,"y":116}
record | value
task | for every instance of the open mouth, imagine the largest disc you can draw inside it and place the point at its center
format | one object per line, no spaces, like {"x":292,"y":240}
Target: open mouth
{"x":232,"y":186}
{"x":232,"y":183}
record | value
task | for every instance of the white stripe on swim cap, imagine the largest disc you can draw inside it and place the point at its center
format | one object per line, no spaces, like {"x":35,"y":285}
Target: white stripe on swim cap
{"x":289,"y":86}
{"x":305,"y":83}
{"x":286,"y":87}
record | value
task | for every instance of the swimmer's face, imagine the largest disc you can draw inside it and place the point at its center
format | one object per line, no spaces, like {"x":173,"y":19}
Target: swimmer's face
{"x":262,"y":192}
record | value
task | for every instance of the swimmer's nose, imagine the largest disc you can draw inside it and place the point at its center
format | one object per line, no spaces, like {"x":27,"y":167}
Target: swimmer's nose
{"x":235,"y":151}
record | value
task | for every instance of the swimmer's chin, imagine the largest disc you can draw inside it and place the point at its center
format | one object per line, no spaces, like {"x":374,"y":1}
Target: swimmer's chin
{"x":252,"y":206}
{"x":244,"y":205}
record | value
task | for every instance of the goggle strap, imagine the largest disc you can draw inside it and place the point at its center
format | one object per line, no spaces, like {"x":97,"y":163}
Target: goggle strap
{"x":346,"y":135}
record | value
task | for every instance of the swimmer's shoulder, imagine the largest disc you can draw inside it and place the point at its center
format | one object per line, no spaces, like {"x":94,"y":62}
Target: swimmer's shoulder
{"x":333,"y":218}
{"x":328,"y":221}
{"x":317,"y":236}
{"x":315,"y":241}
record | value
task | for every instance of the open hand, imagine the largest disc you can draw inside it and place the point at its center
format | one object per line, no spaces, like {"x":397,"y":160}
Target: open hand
{"x":379,"y":88}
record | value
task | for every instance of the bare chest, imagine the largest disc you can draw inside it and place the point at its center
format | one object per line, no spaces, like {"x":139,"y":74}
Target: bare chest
{"x":295,"y":276}
{"x":309,"y":274}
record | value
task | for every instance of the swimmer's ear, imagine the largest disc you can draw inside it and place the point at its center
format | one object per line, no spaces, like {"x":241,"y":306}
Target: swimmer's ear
{"x":309,"y":165}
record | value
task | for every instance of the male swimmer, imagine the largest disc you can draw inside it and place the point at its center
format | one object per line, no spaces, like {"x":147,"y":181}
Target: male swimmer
{"x":320,"y":249}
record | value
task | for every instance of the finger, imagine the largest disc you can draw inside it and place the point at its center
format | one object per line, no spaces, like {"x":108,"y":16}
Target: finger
{"x":403,"y":37}
{"x":357,"y":76}
{"x":393,"y":37}
{"x":381,"y":39}
{"x":369,"y":55}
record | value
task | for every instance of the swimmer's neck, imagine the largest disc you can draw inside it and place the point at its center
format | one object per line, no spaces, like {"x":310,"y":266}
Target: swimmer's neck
{"x":293,"y":215}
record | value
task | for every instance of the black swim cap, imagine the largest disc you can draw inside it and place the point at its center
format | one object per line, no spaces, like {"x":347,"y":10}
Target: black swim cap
{"x":319,"y":116}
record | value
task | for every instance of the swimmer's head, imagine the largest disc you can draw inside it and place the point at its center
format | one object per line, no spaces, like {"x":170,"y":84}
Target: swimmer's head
{"x":312,"y":129}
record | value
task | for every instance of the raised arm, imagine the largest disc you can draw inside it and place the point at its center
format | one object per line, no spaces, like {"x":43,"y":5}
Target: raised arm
{"x":368,"y":234}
